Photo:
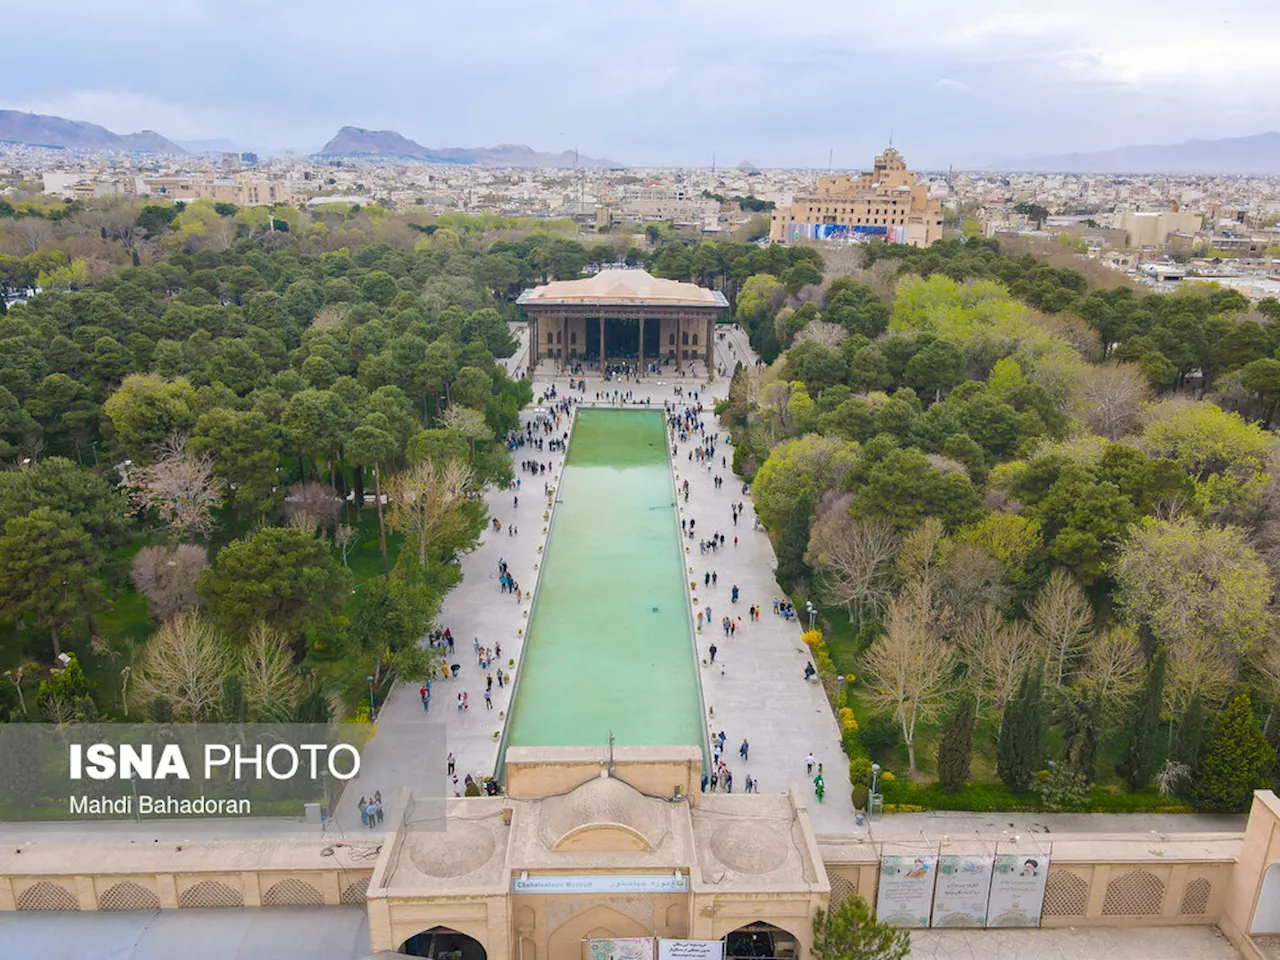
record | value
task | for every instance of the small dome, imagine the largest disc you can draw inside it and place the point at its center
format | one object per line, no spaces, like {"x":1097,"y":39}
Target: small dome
{"x":750,"y":846}
{"x":603,"y":802}
{"x":460,"y":849}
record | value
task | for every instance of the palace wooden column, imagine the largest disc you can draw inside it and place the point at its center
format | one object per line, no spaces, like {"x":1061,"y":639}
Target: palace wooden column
{"x":564,"y":342}
{"x":533,"y":344}
{"x":603,"y":358}
{"x":640,"y":362}
{"x":711,"y":347}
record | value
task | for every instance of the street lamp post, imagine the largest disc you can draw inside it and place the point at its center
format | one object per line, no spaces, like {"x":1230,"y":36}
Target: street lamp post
{"x":370,"y":679}
{"x":813,"y":613}
{"x":839,"y":687}
{"x":871,"y":798}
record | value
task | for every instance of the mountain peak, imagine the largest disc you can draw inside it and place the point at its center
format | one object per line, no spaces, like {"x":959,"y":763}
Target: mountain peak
{"x":359,"y":142}
{"x":34,"y":129}
{"x":1227,"y":156}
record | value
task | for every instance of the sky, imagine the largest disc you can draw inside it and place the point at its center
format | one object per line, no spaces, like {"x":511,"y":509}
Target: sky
{"x":666,"y":82}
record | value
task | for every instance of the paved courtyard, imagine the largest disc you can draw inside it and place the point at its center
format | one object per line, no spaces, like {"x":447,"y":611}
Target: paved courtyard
{"x":1133,"y":943}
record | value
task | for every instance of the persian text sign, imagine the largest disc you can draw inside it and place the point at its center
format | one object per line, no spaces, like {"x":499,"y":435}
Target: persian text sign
{"x":690,"y":950}
{"x":960,"y":897}
{"x":1017,"y":890}
{"x":602,"y":883}
{"x":905,"y":897}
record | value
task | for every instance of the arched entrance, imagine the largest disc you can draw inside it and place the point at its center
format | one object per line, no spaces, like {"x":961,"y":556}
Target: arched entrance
{"x":760,"y":941}
{"x":567,"y":941}
{"x":441,"y":943}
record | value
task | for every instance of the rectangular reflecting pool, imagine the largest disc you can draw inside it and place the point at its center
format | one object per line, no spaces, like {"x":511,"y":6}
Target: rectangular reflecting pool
{"x":608,"y":646}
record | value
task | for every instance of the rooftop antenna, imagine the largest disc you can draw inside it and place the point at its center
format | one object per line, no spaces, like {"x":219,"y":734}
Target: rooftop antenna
{"x":713,"y":163}
{"x":611,"y":754}
{"x":891,"y":136}
{"x":831,"y":152}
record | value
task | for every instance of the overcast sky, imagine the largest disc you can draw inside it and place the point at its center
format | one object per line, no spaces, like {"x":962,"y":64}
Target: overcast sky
{"x":776,"y":82}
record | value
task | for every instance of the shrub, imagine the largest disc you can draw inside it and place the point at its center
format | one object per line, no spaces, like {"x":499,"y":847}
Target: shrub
{"x":813,"y":638}
{"x":860,"y":771}
{"x":847,"y":721}
{"x":852,"y":744}
{"x":880,"y":734}
{"x":1062,"y":788}
{"x":861,"y":795}
{"x":1237,"y":760}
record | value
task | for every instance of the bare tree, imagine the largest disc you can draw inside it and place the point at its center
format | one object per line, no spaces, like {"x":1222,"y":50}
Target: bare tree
{"x":924,"y":551}
{"x":33,"y":231}
{"x":312,"y":506}
{"x":19,"y":673}
{"x":185,"y":662}
{"x":1111,"y":398}
{"x":266,"y":670}
{"x":997,"y":653}
{"x":909,"y":667}
{"x":854,"y":558}
{"x":470,"y":423}
{"x":166,"y":576}
{"x":346,"y":537}
{"x":1114,"y":666}
{"x":972,"y":580}
{"x":180,"y":486}
{"x":824,"y":334}
{"x":1061,"y":614}
{"x":423,"y":501}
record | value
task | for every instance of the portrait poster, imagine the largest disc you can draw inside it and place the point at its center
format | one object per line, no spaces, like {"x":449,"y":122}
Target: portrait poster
{"x":905,"y":895}
{"x":960,"y":894}
{"x":1017,"y":890}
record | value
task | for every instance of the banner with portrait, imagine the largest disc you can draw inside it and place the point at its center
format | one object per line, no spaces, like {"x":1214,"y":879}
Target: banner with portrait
{"x":1017,"y":890}
{"x":905,"y":895}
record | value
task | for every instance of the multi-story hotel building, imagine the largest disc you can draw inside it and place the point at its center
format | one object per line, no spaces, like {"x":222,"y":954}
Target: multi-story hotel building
{"x":885,"y":204}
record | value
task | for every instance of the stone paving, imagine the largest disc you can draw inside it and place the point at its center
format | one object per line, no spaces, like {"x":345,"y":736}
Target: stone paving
{"x":1132,"y":943}
{"x":755,"y":690}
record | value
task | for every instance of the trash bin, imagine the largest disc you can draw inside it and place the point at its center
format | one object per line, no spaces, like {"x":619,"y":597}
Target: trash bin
{"x":859,"y":819}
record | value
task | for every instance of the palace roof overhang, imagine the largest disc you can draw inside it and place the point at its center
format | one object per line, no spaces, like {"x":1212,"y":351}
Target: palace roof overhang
{"x":618,"y":288}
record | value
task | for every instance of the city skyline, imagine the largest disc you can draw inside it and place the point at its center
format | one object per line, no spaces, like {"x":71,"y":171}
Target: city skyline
{"x":674,"y":84}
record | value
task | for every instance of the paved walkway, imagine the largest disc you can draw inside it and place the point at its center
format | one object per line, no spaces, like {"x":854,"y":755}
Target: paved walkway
{"x":755,"y":690}
{"x":1133,"y":943}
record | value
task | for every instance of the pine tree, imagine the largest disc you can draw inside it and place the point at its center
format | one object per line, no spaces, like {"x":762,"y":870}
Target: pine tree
{"x":1018,"y":750}
{"x":851,"y":932}
{"x":792,"y":543}
{"x":956,"y":746}
{"x":1142,"y":729}
{"x":1189,"y":737}
{"x":1237,"y":760}
{"x":1080,"y":714}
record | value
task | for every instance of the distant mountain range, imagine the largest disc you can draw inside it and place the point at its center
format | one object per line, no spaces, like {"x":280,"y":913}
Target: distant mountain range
{"x":364,"y":144}
{"x":37,"y":130}
{"x":1257,"y":154}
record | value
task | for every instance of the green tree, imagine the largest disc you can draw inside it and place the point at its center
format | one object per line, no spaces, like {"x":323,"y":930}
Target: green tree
{"x":1262,"y":379}
{"x":48,"y":571}
{"x":956,"y":746}
{"x":1022,"y":732}
{"x":1237,"y":760}
{"x":1142,"y":730}
{"x":146,"y":409}
{"x":851,"y":932}
{"x":793,"y":541}
{"x":246,"y":456}
{"x":285,"y":578}
{"x":60,"y":485}
{"x":394,"y":616}
{"x":806,"y":467}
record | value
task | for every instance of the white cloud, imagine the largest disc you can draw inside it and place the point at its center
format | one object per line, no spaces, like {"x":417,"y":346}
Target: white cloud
{"x":947,"y":85}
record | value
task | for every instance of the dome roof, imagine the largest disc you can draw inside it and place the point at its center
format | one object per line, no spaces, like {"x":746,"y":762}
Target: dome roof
{"x":603,"y":802}
{"x":462,"y":848}
{"x":749,"y":846}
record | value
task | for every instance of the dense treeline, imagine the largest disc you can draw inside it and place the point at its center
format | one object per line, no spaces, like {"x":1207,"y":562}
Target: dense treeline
{"x":204,"y":410}
{"x":1060,"y":502}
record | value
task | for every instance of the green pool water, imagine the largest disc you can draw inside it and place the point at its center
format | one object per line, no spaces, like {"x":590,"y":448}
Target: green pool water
{"x":608,"y":646}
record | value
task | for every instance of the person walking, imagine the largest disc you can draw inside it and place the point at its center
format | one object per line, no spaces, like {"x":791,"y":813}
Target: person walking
{"x":809,"y":762}
{"x":488,"y":700}
{"x":744,"y":749}
{"x":713,"y":653}
{"x":377,"y":803}
{"x":451,"y":763}
{"x":364,"y":812}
